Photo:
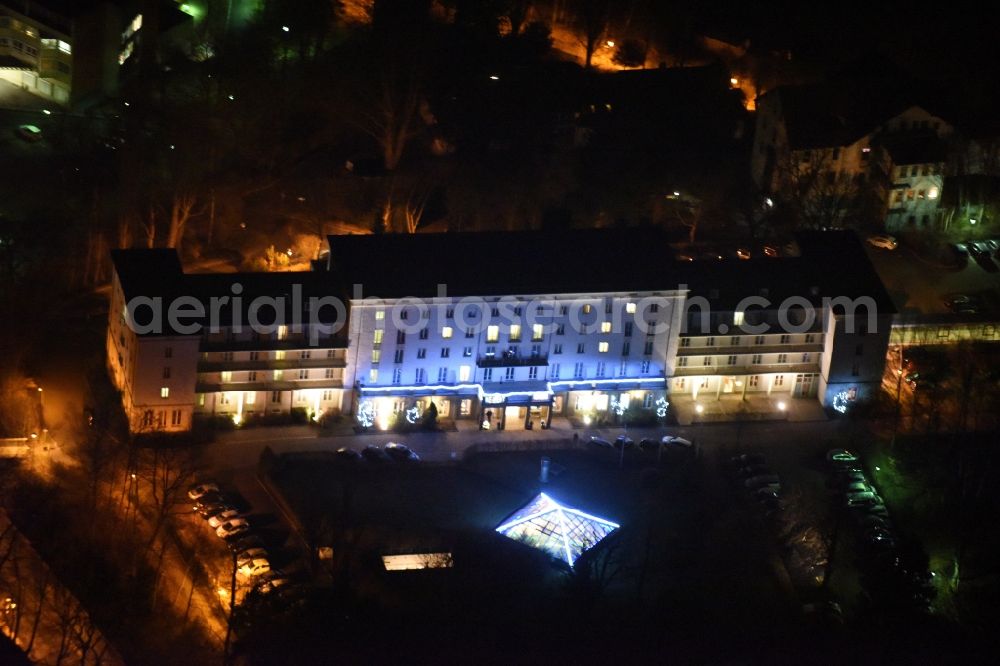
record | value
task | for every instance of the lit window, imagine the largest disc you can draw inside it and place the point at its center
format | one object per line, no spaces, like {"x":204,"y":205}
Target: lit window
{"x":738,"y":318}
{"x":446,"y":332}
{"x":279,"y":355}
{"x":373,"y":376}
{"x":376,"y":355}
{"x":227,"y":376}
{"x":164,"y":392}
{"x":630,"y":308}
{"x":537,"y":332}
{"x":605,"y":327}
{"x":377,"y":336}
{"x":464,"y":372}
{"x":602,"y":347}
{"x":282,"y":332}
{"x":278,"y":374}
{"x":587,"y":308}
{"x":379,"y":315}
{"x":515,"y":331}
{"x":251,"y":398}
{"x":492,"y":333}
{"x":932,"y":193}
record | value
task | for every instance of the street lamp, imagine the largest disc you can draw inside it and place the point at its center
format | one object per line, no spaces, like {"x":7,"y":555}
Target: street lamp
{"x":619,"y":409}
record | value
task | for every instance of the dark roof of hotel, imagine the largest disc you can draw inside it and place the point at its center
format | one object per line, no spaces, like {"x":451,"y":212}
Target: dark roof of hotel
{"x":158,"y":273}
{"x":501,"y":263}
{"x":832,"y":264}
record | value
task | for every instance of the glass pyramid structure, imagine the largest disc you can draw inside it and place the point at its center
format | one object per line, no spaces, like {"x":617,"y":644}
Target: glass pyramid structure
{"x":563,"y":532}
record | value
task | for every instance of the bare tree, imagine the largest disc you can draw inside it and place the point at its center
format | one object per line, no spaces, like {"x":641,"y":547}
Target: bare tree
{"x":591,"y":23}
{"x":168,"y":472}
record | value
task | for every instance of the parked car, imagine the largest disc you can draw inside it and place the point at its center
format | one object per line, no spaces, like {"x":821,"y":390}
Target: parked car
{"x":209,"y":509}
{"x":992,"y":245}
{"x":959,"y":249}
{"x":747,"y":459}
{"x":962,"y":303}
{"x":762,"y":480}
{"x":857,"y":488}
{"x":766,"y":493}
{"x":649,"y":444}
{"x":840,"y":457}
{"x":374,"y":454}
{"x":249,"y":555}
{"x":678,"y":441}
{"x":978,"y":249}
{"x":863,"y":500}
{"x":29,"y":133}
{"x":222,"y":517}
{"x":600,"y":443}
{"x":245,"y":542}
{"x":232,"y":527}
{"x":916,"y":380}
{"x":623,"y":441}
{"x":255,"y":567}
{"x":401,"y":452}
{"x":770,"y":251}
{"x":883,"y":242}
{"x":751,"y":471}
{"x":867,"y":522}
{"x":274,"y":582}
{"x":202,"y":489}
{"x":742,"y":253}
{"x":345,"y":454}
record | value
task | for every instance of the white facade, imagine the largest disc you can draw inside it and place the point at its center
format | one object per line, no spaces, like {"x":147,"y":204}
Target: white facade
{"x":511,"y":361}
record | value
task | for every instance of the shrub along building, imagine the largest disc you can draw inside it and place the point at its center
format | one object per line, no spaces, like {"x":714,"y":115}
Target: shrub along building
{"x":508,"y":329}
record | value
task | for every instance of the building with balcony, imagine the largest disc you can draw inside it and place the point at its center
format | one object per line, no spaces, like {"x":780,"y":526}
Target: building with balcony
{"x":212,"y":359}
{"x":509,"y":330}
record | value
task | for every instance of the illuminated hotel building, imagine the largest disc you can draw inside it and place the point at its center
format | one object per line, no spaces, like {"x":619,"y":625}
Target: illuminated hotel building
{"x":510,"y":330}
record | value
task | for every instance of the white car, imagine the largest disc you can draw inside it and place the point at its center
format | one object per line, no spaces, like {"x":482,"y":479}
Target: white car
{"x":220,"y":518}
{"x":232,"y":528}
{"x":256,"y":567}
{"x":677,"y":441}
{"x":249,"y":555}
{"x":202,"y":489}
{"x":884,"y":242}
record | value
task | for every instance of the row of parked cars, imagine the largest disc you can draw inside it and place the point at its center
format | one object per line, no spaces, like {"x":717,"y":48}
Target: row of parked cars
{"x":645,"y":444}
{"x":754,"y":476}
{"x":887,"y":567}
{"x":224,"y":516}
{"x":390,"y":453}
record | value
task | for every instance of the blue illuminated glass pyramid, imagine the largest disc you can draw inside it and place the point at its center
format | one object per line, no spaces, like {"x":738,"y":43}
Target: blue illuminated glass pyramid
{"x":563,"y":532}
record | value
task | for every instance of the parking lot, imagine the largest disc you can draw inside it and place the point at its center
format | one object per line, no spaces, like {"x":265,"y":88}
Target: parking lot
{"x":919,"y":284}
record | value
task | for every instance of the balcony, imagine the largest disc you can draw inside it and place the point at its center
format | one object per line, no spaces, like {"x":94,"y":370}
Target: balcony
{"x":272,"y":364}
{"x":752,"y":369}
{"x":504,"y":360}
{"x":293,"y":341}
{"x":788,"y":348}
{"x":265,"y":385}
